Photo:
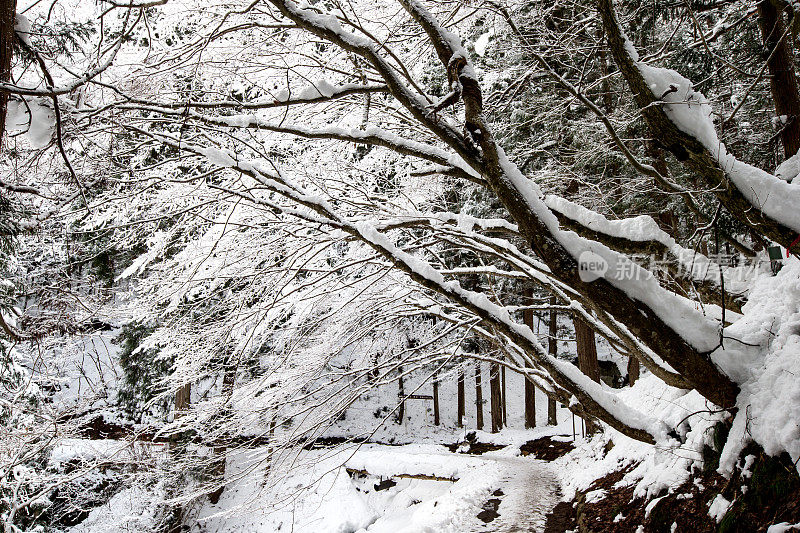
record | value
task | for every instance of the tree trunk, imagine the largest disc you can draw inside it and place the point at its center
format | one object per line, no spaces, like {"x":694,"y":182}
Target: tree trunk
{"x":605,"y":87}
{"x":503,"y":395}
{"x":435,"y":400}
{"x":271,"y":447}
{"x":530,"y":390}
{"x":552,"y":346}
{"x":587,"y":357}
{"x":552,"y":417}
{"x":8,"y":9}
{"x":460,"y":398}
{"x":496,"y":398}
{"x":401,"y":393}
{"x":530,"y":405}
{"x":782,"y":78}
{"x":587,"y":350}
{"x":478,"y":397}
{"x":182,"y":399}
{"x":218,"y":453}
{"x":633,"y":370}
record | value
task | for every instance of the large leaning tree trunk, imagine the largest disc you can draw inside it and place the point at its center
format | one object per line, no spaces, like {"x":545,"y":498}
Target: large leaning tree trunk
{"x":690,"y":151}
{"x":530,"y":241}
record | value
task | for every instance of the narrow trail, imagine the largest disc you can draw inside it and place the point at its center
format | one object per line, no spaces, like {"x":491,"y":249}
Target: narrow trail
{"x":492,"y":492}
{"x":530,"y":490}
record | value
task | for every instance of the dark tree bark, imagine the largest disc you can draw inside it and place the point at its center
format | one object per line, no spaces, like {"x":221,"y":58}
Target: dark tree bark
{"x":530,"y":404}
{"x":460,"y":398}
{"x":182,"y":398}
{"x":697,"y":159}
{"x":218,"y":464}
{"x":782,"y":78}
{"x":503,"y":395}
{"x":608,"y":103}
{"x":478,"y":397}
{"x":8,"y":10}
{"x":401,"y":392}
{"x":552,"y":346}
{"x":633,"y":370}
{"x":587,"y":350}
{"x":587,"y":358}
{"x":530,"y":390}
{"x":435,"y":400}
{"x":496,"y":398}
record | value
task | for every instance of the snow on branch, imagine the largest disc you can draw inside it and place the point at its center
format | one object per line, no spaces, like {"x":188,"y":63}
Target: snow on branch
{"x":680,"y":118}
{"x":371,"y":136}
{"x":320,"y":92}
{"x":642,"y":236}
{"x":590,"y":396}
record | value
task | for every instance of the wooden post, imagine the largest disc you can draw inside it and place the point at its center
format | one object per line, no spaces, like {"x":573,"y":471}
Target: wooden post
{"x":478,"y":396}
{"x":460,"y":394}
{"x":530,"y":390}
{"x":552,"y":346}
{"x":495,"y":399}
{"x":435,"y":399}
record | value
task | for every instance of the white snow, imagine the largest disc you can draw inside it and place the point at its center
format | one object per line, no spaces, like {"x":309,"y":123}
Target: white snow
{"x":691,"y":112}
{"x":783,"y":527}
{"x":652,"y":505}
{"x":718,"y":508}
{"x":789,"y":169}
{"x":331,"y":501}
{"x":218,"y":156}
{"x":22,"y":27}
{"x":594,"y":496}
{"x":482,"y":42}
{"x":766,"y":367}
{"x":131,"y":510}
{"x":33,"y":118}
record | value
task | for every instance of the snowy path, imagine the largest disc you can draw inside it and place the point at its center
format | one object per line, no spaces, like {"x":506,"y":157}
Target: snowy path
{"x":530,"y":491}
{"x":529,"y":488}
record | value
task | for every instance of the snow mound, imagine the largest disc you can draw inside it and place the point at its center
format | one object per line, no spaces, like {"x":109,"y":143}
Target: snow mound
{"x":789,"y":169}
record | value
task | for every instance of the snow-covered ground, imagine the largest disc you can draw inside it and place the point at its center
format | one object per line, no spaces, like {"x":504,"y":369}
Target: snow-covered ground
{"x":319,"y":495}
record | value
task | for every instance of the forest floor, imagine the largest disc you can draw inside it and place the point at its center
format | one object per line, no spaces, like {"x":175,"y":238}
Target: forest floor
{"x":511,"y":482}
{"x":408,"y":488}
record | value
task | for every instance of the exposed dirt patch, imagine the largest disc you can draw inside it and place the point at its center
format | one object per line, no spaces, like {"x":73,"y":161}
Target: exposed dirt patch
{"x":385,"y":484}
{"x":546,"y":448}
{"x":474,"y":447}
{"x":771,"y":497}
{"x":561,"y":518}
{"x":489,"y":512}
